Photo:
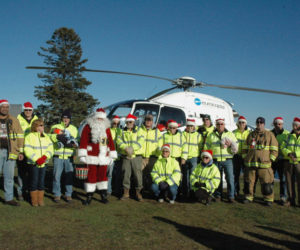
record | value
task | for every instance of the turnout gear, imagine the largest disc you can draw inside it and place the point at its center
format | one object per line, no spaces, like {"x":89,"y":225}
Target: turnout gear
{"x":267,"y":188}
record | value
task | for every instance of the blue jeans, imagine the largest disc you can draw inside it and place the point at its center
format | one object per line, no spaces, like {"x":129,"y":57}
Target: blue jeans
{"x":227,"y":166}
{"x":279,"y":167}
{"x":187,"y":170}
{"x":7,"y":167}
{"x":172,"y":189}
{"x":110,"y":170}
{"x":59,"y":166}
{"x":37,"y":178}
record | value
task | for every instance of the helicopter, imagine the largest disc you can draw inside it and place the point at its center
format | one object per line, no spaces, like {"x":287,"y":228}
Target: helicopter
{"x":178,"y":106}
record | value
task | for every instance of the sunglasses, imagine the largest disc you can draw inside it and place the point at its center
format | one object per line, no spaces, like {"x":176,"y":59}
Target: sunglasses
{"x":165,"y":151}
{"x":242,"y":122}
{"x":129,"y":122}
{"x":172,"y":128}
{"x":220,"y":124}
{"x":205,"y":157}
{"x":115,"y":123}
{"x":260,"y":122}
{"x":27,"y":109}
{"x":148,"y":119}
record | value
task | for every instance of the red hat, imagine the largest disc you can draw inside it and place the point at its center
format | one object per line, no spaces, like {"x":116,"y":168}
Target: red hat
{"x":242,"y":119}
{"x":27,"y":105}
{"x":296,"y":121}
{"x":278,"y":120}
{"x":166,"y":146}
{"x":130,"y":117}
{"x":100,"y":113}
{"x":191,"y":122}
{"x":220,"y":120}
{"x":172,"y":123}
{"x":208,"y":153}
{"x":116,"y":118}
{"x":2,"y":102}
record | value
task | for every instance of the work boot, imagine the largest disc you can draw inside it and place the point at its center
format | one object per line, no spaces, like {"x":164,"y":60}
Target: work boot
{"x":12,"y":203}
{"x":139,"y":196}
{"x":56,"y":199}
{"x":103,"y":194}
{"x":40,"y":198}
{"x":125,"y":195}
{"x":34,"y":198}
{"x":88,"y":199}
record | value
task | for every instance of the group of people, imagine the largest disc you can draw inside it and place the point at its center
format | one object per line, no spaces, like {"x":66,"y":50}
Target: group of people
{"x":133,"y":160}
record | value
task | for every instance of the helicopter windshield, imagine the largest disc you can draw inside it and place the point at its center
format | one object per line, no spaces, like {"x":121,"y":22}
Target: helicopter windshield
{"x":143,"y":109}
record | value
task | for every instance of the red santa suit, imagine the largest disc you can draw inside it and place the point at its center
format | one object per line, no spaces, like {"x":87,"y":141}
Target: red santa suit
{"x":96,"y":150}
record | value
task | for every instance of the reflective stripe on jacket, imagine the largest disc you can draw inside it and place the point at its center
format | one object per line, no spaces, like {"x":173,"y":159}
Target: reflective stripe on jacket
{"x":63,"y":153}
{"x":193,"y":144}
{"x":130,"y":138}
{"x":282,"y":136}
{"x":209,"y":175}
{"x":260,"y":149}
{"x":291,"y":145}
{"x":25,"y":125}
{"x":153,"y":141}
{"x":213,"y":142}
{"x":241,"y":138}
{"x":166,"y":169}
{"x":177,"y":143}
{"x":36,"y":146}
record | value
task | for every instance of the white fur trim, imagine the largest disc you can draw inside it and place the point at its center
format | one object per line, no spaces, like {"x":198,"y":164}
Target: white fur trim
{"x":113,"y":154}
{"x":100,"y":115}
{"x":81,"y":152}
{"x":242,"y":120}
{"x":129,"y":120}
{"x":92,"y":160}
{"x":206,"y":154}
{"x":173,"y":124}
{"x":190,"y":123}
{"x":89,"y":148}
{"x":104,"y":161}
{"x":89,"y":187}
{"x":82,"y":159}
{"x":102,"y":185}
{"x":296,"y":123}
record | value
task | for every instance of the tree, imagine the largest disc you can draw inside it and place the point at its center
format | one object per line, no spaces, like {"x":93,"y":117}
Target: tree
{"x":64,"y":86}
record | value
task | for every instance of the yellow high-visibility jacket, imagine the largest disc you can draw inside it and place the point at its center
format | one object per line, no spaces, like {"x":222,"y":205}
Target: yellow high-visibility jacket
{"x":115,"y":132}
{"x":291,"y":145}
{"x":25,"y":125}
{"x":153,"y":141}
{"x":213,"y":142}
{"x":177,"y":144}
{"x":36,"y":146}
{"x":241,"y":137}
{"x":260,"y":149}
{"x":193,"y":145}
{"x":63,"y":152}
{"x":207,"y":174}
{"x":280,"y":137}
{"x":130,"y":138}
{"x":166,"y":169}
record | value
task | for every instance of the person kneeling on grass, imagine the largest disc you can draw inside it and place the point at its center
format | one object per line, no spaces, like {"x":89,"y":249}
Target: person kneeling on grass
{"x":205,"y":178}
{"x":166,"y":176}
{"x":38,"y":149}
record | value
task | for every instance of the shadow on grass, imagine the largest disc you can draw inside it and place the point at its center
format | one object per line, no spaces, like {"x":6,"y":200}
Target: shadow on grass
{"x":213,"y":239}
{"x":280,"y":231}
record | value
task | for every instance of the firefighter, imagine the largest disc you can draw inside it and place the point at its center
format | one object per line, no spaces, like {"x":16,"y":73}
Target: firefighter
{"x":259,"y":151}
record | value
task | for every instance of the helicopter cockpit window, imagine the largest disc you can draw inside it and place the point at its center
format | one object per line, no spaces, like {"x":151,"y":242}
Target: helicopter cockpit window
{"x":143,"y":109}
{"x":169,"y":113}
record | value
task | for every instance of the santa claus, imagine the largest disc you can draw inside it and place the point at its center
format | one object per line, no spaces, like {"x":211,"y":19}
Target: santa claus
{"x":96,"y":150}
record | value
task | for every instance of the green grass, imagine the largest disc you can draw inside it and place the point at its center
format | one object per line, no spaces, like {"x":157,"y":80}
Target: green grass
{"x":148,"y":225}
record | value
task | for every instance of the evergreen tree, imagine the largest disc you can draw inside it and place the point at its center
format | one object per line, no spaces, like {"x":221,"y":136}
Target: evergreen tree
{"x":64,"y":86}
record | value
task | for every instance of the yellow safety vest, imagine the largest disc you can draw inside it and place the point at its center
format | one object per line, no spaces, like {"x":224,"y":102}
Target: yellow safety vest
{"x":177,"y":143}
{"x":193,"y":145}
{"x":166,"y":169}
{"x":280,"y":138}
{"x":25,"y":125}
{"x":291,"y":145}
{"x":63,"y":153}
{"x":241,"y":137}
{"x":36,"y":146}
{"x":153,"y":141}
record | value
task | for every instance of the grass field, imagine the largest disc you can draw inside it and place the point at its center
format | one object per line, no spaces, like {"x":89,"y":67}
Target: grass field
{"x":148,"y":225}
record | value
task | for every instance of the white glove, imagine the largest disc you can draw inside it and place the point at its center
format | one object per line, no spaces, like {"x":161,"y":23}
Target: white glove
{"x":82,"y":159}
{"x":234,"y":147}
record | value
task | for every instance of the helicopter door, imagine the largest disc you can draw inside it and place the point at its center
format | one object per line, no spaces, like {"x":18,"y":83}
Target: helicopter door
{"x":143,"y":109}
{"x":170,"y":113}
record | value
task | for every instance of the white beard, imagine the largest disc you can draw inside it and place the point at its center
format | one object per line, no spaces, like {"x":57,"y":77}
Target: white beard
{"x":98,"y":128}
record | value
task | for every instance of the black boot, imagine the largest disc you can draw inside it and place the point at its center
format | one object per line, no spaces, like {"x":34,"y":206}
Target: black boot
{"x":88,"y":199}
{"x":103,"y":194}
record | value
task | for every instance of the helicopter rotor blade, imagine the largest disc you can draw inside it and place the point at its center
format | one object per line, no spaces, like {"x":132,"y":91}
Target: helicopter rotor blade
{"x":203,"y":84}
{"x":161,"y":93}
{"x":106,"y":71}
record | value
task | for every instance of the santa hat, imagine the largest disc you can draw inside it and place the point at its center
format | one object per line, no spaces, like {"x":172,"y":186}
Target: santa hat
{"x":116,"y":118}
{"x":220,"y":120}
{"x":27,"y":105}
{"x":130,"y":118}
{"x":242,"y":119}
{"x":296,"y":121}
{"x":172,"y":123}
{"x":100,"y":113}
{"x":191,"y":122}
{"x":207,"y":153}
{"x":166,"y":146}
{"x":278,"y":120}
{"x":2,"y":102}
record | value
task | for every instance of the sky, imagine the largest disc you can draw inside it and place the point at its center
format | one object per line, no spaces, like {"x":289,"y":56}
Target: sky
{"x":251,"y":43}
